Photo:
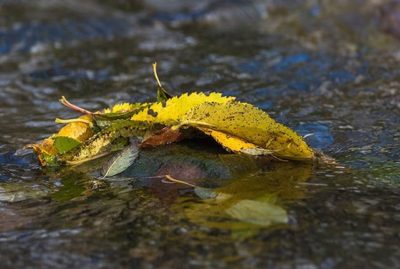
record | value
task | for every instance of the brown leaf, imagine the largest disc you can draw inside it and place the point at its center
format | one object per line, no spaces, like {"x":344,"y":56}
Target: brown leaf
{"x":163,"y":137}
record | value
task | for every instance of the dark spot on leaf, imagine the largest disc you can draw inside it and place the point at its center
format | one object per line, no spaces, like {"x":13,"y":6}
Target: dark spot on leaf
{"x":152,"y":113}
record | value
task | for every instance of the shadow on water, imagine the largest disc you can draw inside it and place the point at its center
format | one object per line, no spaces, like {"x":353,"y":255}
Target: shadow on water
{"x":237,"y":195}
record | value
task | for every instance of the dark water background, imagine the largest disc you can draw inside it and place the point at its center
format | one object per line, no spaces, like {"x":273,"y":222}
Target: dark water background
{"x":330,"y":68}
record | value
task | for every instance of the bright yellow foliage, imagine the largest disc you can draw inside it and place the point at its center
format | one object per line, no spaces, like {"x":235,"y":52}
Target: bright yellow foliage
{"x":123,"y":107}
{"x":238,"y":127}
{"x":173,"y":109}
{"x":252,"y":125}
{"x":47,"y":147}
{"x":79,"y":131}
{"x":235,"y":144}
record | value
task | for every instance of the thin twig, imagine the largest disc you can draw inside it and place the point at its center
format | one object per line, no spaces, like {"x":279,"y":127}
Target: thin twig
{"x":174,"y":180}
{"x":76,"y":108}
{"x":88,"y":159}
{"x":155,"y":75}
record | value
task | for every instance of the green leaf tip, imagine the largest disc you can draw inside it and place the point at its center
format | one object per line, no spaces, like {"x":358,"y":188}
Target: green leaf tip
{"x":162,"y":94}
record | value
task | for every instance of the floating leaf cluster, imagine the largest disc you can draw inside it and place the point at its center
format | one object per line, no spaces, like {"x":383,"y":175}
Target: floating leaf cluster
{"x":239,"y":127}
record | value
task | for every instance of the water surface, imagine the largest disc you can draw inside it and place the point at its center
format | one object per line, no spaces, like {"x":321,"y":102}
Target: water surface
{"x":327,"y":68}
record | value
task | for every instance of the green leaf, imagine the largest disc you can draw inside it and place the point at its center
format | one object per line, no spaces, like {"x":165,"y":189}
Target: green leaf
{"x":50,"y":160}
{"x":115,"y":115}
{"x":122,"y":160}
{"x":162,"y":94}
{"x":105,"y":141}
{"x":117,"y":125}
{"x":64,"y":144}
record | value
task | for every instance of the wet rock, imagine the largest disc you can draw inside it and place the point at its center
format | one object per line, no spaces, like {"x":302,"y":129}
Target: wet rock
{"x":219,"y":15}
{"x":38,"y":37}
{"x":390,"y":18}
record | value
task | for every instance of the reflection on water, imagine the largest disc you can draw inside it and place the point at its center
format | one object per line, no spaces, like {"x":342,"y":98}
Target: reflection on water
{"x":328,"y":69}
{"x":257,"y":199}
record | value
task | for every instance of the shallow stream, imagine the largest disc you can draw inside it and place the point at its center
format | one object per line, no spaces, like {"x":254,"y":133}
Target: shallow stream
{"x":326,"y":68}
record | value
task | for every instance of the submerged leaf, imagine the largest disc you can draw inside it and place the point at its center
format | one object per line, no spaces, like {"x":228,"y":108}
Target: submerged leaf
{"x":258,"y":212}
{"x":251,"y":201}
{"x":206,"y":193}
{"x":122,"y":160}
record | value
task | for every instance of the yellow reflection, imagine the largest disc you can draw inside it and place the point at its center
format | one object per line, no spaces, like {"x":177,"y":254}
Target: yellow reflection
{"x":252,"y":200}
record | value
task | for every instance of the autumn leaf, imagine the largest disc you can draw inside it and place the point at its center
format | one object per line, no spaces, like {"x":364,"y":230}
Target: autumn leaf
{"x":235,"y":144}
{"x":252,"y":125}
{"x":119,"y":110}
{"x":73,"y":134}
{"x":47,"y":146}
{"x":163,"y":137}
{"x":78,"y":130}
{"x":170,"y":112}
{"x":238,"y":127}
{"x":46,"y":151}
{"x":114,"y":138}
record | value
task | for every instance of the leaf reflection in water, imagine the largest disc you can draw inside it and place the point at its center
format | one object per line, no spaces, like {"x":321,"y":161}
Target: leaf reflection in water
{"x":251,"y":201}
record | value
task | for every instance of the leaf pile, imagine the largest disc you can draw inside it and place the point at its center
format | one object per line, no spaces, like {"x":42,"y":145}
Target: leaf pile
{"x":239,"y":127}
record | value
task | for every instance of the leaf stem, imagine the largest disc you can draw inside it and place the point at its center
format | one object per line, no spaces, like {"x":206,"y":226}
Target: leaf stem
{"x":155,"y":75}
{"x":76,"y":108}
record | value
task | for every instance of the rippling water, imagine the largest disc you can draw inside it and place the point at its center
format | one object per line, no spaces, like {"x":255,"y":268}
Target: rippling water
{"x":326,"y":68}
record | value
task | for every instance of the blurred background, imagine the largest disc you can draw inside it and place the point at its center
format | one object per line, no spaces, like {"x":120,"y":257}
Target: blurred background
{"x":329,"y":68}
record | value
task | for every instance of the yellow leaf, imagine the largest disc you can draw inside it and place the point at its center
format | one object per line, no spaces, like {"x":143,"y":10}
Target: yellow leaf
{"x":47,"y":146}
{"x":97,"y":146}
{"x":45,"y":150}
{"x":235,"y":144}
{"x":123,"y":107}
{"x":79,"y":131}
{"x":252,"y":125}
{"x":173,"y":109}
